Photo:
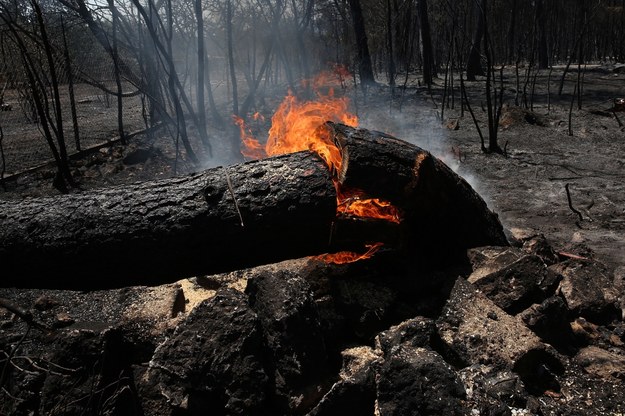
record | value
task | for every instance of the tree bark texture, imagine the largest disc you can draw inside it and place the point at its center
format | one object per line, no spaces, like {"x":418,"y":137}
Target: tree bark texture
{"x":443,"y":215}
{"x":147,"y":233}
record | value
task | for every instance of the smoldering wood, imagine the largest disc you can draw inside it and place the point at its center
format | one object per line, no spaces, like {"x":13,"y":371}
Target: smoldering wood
{"x":156,"y":232}
{"x":443,"y":214}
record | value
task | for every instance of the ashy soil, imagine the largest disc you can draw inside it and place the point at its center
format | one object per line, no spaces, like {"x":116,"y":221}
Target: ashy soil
{"x":525,"y":186}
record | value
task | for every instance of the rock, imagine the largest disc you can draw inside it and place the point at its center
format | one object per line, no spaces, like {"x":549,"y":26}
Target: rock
{"x":416,"y":332}
{"x":539,"y":246}
{"x":44,"y":303}
{"x":136,"y":156}
{"x":477,"y":331}
{"x":549,"y":321}
{"x":292,"y":328}
{"x":492,"y":392}
{"x":516,"y":286}
{"x":585,"y":331}
{"x":491,"y":259}
{"x":587,"y":291}
{"x":355,"y":392}
{"x":601,"y":363}
{"x":62,"y":319}
{"x":212,"y":361}
{"x":417,"y":381}
{"x":366,"y":305}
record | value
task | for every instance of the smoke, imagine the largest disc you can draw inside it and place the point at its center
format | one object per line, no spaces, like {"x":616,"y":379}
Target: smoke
{"x":425,"y":130}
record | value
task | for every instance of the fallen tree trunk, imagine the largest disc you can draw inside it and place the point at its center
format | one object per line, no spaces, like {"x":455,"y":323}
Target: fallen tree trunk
{"x":219,"y":220}
{"x":226,"y":219}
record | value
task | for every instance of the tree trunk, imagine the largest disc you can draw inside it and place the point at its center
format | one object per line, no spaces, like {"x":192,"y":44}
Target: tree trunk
{"x":117,"y":71}
{"x":365,"y":68}
{"x":511,"y":37}
{"x":64,"y":170}
{"x":474,"y":62}
{"x":543,"y":55}
{"x":219,"y":220}
{"x":70,"y":87}
{"x":233,"y":75}
{"x":391,"y":54}
{"x":426,"y":43}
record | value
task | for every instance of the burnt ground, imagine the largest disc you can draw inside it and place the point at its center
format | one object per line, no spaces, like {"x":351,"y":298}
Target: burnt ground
{"x":526,"y":186}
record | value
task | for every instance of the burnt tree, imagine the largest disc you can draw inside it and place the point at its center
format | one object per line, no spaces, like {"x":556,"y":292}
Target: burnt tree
{"x":474,"y":62}
{"x":365,"y":68}
{"x":426,"y":43}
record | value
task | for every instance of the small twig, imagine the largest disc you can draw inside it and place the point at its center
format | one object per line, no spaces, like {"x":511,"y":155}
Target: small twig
{"x":10,"y":356}
{"x":230,"y":188}
{"x":568,"y":197}
{"x":572,"y":256}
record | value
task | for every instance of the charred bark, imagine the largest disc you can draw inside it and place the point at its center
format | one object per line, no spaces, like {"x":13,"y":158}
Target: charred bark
{"x":443,"y":215}
{"x":220,"y":219}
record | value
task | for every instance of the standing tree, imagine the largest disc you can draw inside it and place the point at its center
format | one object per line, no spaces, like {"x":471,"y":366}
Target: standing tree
{"x":426,"y":43}
{"x":474,"y":62}
{"x":365,"y":68}
{"x":543,"y":54}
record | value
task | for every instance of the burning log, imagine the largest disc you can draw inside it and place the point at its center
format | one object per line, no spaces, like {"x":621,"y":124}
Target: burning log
{"x":254,"y":213}
{"x":443,"y":215}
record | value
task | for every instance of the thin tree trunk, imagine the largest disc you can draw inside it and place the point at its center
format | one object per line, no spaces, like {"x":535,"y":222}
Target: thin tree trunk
{"x":201,"y":71}
{"x":543,"y":55}
{"x":60,"y":136}
{"x":391,"y":54}
{"x":511,"y":45}
{"x":230,"y":47}
{"x":365,"y":68}
{"x":474,"y":62}
{"x":118,"y":82}
{"x":426,"y":43}
{"x":70,"y":87}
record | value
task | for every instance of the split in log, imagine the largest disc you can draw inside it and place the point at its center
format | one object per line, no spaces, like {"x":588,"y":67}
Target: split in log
{"x":254,"y":213}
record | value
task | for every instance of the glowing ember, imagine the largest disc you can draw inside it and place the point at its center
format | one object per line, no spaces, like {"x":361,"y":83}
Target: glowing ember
{"x":355,"y":203}
{"x":344,"y":257}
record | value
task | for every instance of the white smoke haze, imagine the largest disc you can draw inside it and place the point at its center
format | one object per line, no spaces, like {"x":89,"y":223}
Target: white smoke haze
{"x":425,"y":130}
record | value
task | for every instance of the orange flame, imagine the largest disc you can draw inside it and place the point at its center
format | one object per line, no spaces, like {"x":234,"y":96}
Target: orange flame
{"x":356,"y":204}
{"x":344,"y":257}
{"x":300,"y":125}
{"x":251,"y":147}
